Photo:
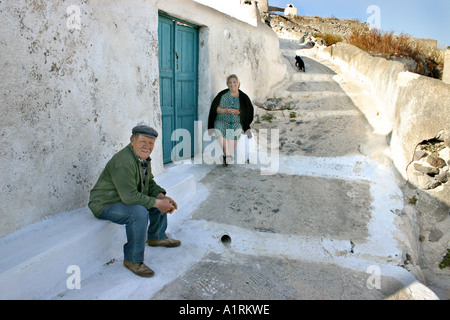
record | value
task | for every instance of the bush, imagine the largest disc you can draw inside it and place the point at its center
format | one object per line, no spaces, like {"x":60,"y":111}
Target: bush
{"x":329,"y":38}
{"x":388,"y":45}
{"x":383,"y":43}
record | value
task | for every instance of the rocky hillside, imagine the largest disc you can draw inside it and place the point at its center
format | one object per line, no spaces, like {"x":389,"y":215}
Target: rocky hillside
{"x":305,"y":26}
{"x":420,"y":55}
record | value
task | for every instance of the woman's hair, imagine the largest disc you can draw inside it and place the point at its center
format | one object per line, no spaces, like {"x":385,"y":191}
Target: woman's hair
{"x":233,"y":76}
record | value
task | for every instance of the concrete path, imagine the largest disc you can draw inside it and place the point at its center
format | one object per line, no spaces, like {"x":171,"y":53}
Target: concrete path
{"x":317,"y":221}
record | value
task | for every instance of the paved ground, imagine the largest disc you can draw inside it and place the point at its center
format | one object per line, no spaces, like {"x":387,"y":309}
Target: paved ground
{"x":304,"y":235}
{"x":319,"y":224}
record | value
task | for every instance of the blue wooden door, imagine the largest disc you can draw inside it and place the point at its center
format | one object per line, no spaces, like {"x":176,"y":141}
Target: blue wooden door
{"x":178,"y":83}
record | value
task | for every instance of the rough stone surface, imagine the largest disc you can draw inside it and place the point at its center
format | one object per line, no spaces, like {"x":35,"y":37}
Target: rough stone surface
{"x":435,"y":235}
{"x":279,"y":204}
{"x":272,"y":278}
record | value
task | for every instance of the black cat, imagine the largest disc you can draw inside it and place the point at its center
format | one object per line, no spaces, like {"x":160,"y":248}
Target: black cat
{"x":299,"y":63}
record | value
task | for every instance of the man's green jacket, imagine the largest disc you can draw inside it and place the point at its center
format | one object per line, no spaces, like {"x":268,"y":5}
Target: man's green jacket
{"x":122,"y":181}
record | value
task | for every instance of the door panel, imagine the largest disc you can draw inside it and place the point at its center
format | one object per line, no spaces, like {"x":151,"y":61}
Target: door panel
{"x":178,"y":56}
{"x":166,"y":78}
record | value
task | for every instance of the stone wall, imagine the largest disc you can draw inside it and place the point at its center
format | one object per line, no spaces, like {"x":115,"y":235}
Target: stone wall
{"x":74,"y":81}
{"x":446,"y":74}
{"x":411,"y":109}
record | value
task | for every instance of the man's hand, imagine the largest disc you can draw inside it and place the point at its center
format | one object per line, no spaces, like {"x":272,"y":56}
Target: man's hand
{"x":165,"y":204}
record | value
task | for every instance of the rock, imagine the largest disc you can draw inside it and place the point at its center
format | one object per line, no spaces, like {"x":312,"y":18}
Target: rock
{"x":440,"y":136}
{"x":419,"y":154}
{"x":410,"y":64}
{"x":442,"y":176}
{"x":435,"y":235}
{"x":426,"y":182}
{"x":273,"y":104}
{"x":445,"y":154}
{"x":426,"y":169}
{"x":435,"y":161}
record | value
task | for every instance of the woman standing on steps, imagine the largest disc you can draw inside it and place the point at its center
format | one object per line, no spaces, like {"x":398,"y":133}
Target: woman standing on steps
{"x":231,"y":114}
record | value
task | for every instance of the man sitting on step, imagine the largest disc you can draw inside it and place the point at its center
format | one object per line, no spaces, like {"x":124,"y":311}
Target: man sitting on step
{"x":126,"y":194}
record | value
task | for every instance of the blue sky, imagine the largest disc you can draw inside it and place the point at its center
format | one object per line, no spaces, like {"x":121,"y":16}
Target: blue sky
{"x":418,"y":18}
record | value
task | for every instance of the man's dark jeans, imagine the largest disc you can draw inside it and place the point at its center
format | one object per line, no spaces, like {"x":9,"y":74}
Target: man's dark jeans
{"x":136,"y":218}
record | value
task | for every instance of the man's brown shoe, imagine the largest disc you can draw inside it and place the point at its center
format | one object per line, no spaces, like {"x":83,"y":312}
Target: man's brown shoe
{"x":170,"y":243}
{"x":139,"y":269}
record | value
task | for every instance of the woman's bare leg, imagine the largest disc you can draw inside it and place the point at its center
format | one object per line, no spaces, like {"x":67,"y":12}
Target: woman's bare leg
{"x":231,"y":146}
{"x":223,"y":145}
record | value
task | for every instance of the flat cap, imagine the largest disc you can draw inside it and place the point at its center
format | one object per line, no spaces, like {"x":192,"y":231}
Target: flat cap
{"x":145,"y":130}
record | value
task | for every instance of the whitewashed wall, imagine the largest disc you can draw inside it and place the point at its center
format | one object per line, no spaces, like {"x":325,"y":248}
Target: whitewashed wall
{"x":74,"y":83}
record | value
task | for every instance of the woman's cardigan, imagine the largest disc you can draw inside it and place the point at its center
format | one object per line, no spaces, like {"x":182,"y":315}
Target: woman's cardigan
{"x":246,"y":111}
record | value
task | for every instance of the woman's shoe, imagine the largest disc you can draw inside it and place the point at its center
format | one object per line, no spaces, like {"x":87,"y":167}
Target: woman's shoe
{"x":224,"y":163}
